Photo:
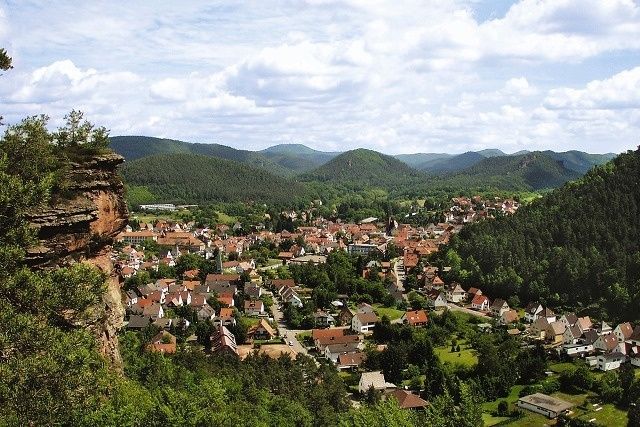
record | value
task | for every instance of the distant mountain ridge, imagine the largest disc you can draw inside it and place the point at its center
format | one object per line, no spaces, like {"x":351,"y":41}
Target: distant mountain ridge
{"x":297,"y":159}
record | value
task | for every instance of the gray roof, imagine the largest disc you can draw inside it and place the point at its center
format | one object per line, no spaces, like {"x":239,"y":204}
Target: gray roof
{"x":546,"y":402}
{"x":138,"y":322}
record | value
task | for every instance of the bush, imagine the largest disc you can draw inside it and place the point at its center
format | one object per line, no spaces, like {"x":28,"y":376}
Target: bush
{"x":503,"y":408}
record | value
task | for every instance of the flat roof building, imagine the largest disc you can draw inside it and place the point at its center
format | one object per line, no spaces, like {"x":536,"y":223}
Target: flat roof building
{"x":548,"y":406}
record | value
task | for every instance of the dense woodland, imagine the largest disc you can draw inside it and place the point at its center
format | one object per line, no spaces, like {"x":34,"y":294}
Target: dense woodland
{"x":579,"y":245}
{"x":190,"y":178}
{"x":161,"y":170}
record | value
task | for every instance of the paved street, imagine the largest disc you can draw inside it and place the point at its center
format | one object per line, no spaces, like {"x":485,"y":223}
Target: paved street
{"x":400,"y":276}
{"x":288,"y":334}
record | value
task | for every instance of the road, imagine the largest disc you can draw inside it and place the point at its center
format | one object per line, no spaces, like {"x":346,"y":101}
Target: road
{"x":288,"y":334}
{"x":400,"y":276}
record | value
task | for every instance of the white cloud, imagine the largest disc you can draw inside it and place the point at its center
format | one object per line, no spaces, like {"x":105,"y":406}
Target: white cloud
{"x":402,"y":76}
{"x":617,"y":92}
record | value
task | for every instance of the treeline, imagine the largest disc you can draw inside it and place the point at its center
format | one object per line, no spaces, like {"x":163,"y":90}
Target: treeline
{"x":579,"y":245}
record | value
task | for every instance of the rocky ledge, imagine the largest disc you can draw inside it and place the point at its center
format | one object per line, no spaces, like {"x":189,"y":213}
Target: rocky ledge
{"x":80,"y":228}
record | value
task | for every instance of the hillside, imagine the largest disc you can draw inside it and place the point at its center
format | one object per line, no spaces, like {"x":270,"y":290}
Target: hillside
{"x":534,"y":170}
{"x":452,"y":164}
{"x":578,"y":245}
{"x":579,"y":161}
{"x":137,"y":147}
{"x":418,"y":159}
{"x":297,"y":157}
{"x":191,"y":178}
{"x":365,"y":168}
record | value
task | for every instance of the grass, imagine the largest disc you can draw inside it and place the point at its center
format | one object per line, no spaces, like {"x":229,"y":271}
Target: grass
{"x":512,"y":398}
{"x":391,"y":313}
{"x":559,"y":368}
{"x":608,"y":416}
{"x":489,"y":420}
{"x":466,"y":356}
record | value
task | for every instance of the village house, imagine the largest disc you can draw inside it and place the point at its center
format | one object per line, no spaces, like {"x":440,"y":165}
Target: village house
{"x":225,"y":317}
{"x":610,"y":361}
{"x":376,"y":380}
{"x":499,"y":306}
{"x":223,"y":342}
{"x":263,"y":331}
{"x":253,"y":307}
{"x":351,"y":361}
{"x":555,"y":332}
{"x":572,"y":334}
{"x":508,"y":317}
{"x":623,"y":331}
{"x":364,"y":322}
{"x":333,"y":351}
{"x":345,"y":315}
{"x":480,"y":303}
{"x":454,"y":293}
{"x":437,"y":300}
{"x":408,"y":400}
{"x":206,"y":312}
{"x":138,"y":322}
{"x":532,"y":311}
{"x":415,"y":318}
{"x":577,"y":349}
{"x":252,"y":290}
{"x":323,"y":319}
{"x":163,"y":342}
{"x":473,"y":292}
{"x":606,"y":342}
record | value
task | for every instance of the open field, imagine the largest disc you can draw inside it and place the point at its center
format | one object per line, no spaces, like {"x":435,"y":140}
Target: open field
{"x":466,"y":356}
{"x":391,"y":313}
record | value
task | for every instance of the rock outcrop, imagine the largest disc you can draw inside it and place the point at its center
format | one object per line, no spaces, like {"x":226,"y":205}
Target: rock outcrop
{"x":80,"y":228}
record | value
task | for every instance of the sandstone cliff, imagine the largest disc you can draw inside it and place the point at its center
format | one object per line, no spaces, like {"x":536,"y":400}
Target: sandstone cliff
{"x":81,"y":228}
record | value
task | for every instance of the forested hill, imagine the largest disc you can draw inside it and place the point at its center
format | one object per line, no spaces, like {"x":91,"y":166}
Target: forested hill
{"x":579,"y":245}
{"x":580,"y":161}
{"x":191,"y":178}
{"x":137,"y":147}
{"x":365,"y":168}
{"x":297,"y":157}
{"x":535,"y":170}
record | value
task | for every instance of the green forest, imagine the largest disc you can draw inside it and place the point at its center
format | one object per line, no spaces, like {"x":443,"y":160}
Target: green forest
{"x":191,"y":178}
{"x":577,"y":246}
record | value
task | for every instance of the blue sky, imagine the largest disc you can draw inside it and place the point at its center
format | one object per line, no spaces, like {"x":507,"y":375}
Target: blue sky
{"x":395,"y":76}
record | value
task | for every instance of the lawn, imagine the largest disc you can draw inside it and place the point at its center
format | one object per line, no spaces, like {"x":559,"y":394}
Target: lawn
{"x":490,"y":420}
{"x":466,"y":356}
{"x":559,"y":368}
{"x":391,"y":313}
{"x":608,"y":416}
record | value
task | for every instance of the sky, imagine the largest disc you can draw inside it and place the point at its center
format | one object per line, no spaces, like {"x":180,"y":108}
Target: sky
{"x":394,"y":76}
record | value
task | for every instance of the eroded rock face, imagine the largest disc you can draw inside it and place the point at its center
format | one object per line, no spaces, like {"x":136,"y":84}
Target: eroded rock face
{"x":81,"y":228}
